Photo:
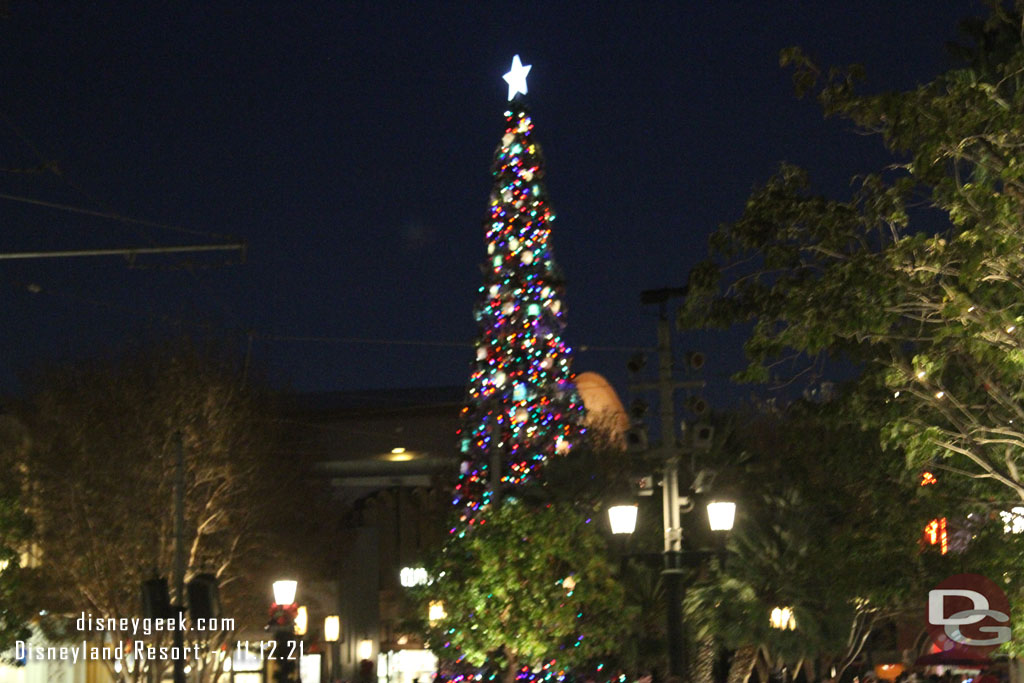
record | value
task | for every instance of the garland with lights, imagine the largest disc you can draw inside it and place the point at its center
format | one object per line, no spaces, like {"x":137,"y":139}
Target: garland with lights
{"x":522,"y":407}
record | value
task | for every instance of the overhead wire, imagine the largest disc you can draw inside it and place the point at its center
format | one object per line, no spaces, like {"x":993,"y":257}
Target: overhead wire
{"x":48,"y":165}
{"x":110,"y":214}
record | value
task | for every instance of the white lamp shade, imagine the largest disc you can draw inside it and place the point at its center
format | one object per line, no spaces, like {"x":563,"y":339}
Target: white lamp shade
{"x":301,"y":620}
{"x":622,"y":518}
{"x":783,"y":618}
{"x":332,"y":628}
{"x":284,"y":591}
{"x":413,"y":576}
{"x":721,"y":515}
{"x":365,"y":650}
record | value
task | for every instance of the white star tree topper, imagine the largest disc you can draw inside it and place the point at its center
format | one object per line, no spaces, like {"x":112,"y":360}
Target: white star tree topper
{"x":516,"y":78}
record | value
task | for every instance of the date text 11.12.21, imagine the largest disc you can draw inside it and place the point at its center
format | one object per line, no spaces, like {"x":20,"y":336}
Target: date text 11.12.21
{"x":286,"y":649}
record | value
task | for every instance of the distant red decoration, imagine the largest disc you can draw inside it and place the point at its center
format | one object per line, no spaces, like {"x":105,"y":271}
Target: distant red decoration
{"x":282,"y":615}
{"x":928,"y":478}
{"x":935,"y":534}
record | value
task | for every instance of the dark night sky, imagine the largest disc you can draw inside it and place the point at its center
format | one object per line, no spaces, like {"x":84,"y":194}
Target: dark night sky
{"x":349,"y":146}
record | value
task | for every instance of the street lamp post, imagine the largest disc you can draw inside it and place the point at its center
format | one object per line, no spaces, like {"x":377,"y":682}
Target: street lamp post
{"x":332,"y":634}
{"x":283,"y":613}
{"x":721,"y":515}
{"x":672,"y":503}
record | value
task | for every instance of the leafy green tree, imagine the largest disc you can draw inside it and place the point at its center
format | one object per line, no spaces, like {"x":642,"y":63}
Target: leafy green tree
{"x":916,"y":278}
{"x":530,"y":588}
{"x":827,"y":526}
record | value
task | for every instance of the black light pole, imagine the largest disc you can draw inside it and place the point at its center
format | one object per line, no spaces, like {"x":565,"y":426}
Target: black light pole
{"x":672,"y":572}
{"x":670,"y":454}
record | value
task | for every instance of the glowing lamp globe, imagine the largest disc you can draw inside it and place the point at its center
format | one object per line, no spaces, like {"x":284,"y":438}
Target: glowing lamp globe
{"x":888,"y":672}
{"x":622,"y":518}
{"x":435,"y":611}
{"x":783,"y":619}
{"x":721,"y":515}
{"x":284,"y":591}
{"x":301,"y":621}
{"x":332,"y":628}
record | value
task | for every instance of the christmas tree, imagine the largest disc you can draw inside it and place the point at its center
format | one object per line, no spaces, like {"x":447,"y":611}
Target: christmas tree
{"x":522,"y":407}
{"x":525,"y":586}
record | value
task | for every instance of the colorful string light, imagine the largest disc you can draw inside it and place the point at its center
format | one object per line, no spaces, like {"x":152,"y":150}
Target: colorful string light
{"x":522,"y":405}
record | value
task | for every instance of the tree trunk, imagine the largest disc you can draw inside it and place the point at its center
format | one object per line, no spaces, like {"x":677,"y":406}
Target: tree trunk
{"x":703,"y":670}
{"x":511,"y":666}
{"x":810,"y":670}
{"x":742,"y":664}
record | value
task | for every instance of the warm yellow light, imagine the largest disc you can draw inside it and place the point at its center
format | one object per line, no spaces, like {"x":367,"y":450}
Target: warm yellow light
{"x":365,"y":650}
{"x":332,"y":628}
{"x":398,"y":450}
{"x":920,"y":374}
{"x":622,"y":518}
{"x":400,"y":457}
{"x":436,"y":612}
{"x":721,"y":515}
{"x":301,"y":621}
{"x":284,"y":591}
{"x":782,"y":618}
